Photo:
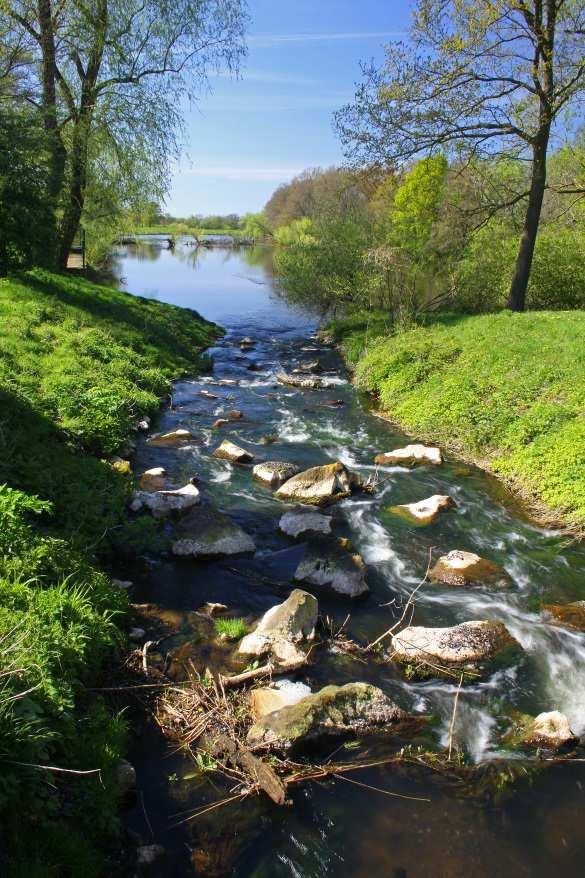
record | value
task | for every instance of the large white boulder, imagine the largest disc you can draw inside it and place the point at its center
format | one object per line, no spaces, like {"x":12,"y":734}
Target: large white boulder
{"x":282,"y":693}
{"x":205,"y":533}
{"x":174,"y":437}
{"x":153,"y":479}
{"x":466,"y":568}
{"x":328,"y":566}
{"x":163,"y":503}
{"x":358,"y":708}
{"x":411,"y":455}
{"x":282,"y":627}
{"x":320,"y":485}
{"x":274,"y":472}
{"x":301,"y":381}
{"x":425,"y":511}
{"x":300,"y":522}
{"x":434,"y":651}
{"x":232,"y":452}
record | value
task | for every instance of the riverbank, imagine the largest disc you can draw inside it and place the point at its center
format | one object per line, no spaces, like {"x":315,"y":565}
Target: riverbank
{"x":505,"y":391}
{"x":80,"y":366}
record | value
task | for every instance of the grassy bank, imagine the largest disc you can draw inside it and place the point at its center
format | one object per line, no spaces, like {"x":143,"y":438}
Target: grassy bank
{"x":506,"y":390}
{"x":79,"y":365}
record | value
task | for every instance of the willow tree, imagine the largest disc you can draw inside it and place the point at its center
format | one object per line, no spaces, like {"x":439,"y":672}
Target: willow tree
{"x":477,"y":79}
{"x":112,"y":76}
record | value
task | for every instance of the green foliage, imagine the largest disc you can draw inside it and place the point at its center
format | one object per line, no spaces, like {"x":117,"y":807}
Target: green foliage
{"x":320,"y":262}
{"x":231,"y":629}
{"x":79,"y":364}
{"x":504,"y":388}
{"x":255,"y":225}
{"x":416,"y":205}
{"x":26,"y":219}
{"x":557,"y":279}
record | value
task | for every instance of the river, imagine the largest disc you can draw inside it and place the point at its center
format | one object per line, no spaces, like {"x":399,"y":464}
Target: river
{"x":335,"y":828}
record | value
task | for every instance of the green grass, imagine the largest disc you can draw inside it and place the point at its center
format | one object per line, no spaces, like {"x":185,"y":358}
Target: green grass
{"x":232,"y":629}
{"x":79,"y":365}
{"x":507,"y":390}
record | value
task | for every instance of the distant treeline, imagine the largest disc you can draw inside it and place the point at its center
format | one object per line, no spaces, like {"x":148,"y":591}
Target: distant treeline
{"x":426,"y":237}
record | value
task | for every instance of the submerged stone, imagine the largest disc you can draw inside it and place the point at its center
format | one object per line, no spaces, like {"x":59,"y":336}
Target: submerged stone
{"x":163,"y":503}
{"x":206,"y":532}
{"x":232,"y":452}
{"x":300,"y":522}
{"x":283,"y":693}
{"x":307,"y":367}
{"x":174,"y":437}
{"x":320,"y":485}
{"x":433,"y":652}
{"x":550,"y":731}
{"x":568,"y":615}
{"x":327,"y":565}
{"x":466,"y":568}
{"x":411,"y":455}
{"x":274,"y":472}
{"x":304,"y":383}
{"x":425,"y":511}
{"x":356,"y":707}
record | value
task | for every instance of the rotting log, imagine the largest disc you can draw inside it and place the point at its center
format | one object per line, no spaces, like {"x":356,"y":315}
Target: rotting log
{"x":220,"y":745}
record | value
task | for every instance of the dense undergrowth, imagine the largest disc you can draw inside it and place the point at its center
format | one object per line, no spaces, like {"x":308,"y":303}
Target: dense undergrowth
{"x":507,"y":390}
{"x":79,"y":365}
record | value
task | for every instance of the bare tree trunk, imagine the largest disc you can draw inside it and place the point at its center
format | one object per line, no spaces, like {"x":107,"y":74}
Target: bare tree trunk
{"x":517,"y":295}
{"x":49,"y":100}
{"x":543,"y":22}
{"x":75,"y":195}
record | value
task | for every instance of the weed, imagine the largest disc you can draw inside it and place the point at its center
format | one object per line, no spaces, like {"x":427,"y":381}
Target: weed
{"x":231,"y":629}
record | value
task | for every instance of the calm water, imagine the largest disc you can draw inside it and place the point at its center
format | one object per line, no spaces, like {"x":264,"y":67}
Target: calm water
{"x":336,"y":828}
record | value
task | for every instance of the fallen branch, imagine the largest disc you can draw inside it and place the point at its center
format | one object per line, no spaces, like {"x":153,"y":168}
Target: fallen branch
{"x":267,"y":670}
{"x":452,"y":726}
{"x":407,"y":606}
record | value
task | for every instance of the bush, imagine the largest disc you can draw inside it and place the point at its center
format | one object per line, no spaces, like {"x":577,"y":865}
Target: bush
{"x":27,"y":228}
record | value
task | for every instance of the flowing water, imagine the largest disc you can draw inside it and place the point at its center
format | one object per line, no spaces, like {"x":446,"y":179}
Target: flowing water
{"x":334,"y":827}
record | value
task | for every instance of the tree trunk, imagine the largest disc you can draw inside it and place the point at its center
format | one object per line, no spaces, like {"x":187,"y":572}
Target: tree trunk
{"x":49,"y":101}
{"x":75,"y":195}
{"x":517,"y":295}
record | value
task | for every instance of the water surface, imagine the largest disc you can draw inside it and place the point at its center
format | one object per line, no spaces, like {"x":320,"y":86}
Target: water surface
{"x":334,"y":827}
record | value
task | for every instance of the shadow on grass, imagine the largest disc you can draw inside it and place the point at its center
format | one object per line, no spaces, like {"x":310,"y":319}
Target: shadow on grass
{"x":88,"y":496}
{"x":176,"y":333}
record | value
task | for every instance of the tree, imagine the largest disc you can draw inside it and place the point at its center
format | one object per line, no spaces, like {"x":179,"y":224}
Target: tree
{"x":416,"y":205}
{"x":480,"y":79}
{"x":116,"y":71}
{"x":26,"y":230}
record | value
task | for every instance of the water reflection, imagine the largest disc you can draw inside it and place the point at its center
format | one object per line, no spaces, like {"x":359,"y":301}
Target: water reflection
{"x":232,"y":287}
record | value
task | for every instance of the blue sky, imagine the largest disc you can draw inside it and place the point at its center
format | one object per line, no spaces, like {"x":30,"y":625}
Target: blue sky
{"x":250,"y":134}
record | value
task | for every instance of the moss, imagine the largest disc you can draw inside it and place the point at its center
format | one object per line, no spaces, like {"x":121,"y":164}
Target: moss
{"x":506,"y":390}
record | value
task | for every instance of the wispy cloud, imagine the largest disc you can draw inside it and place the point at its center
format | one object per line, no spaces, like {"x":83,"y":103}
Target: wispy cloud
{"x":245,"y":174}
{"x":275,"y":103}
{"x":268,"y":40}
{"x":270,"y":78}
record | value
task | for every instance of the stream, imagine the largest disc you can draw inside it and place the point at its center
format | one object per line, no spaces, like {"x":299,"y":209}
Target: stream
{"x":335,"y":828}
